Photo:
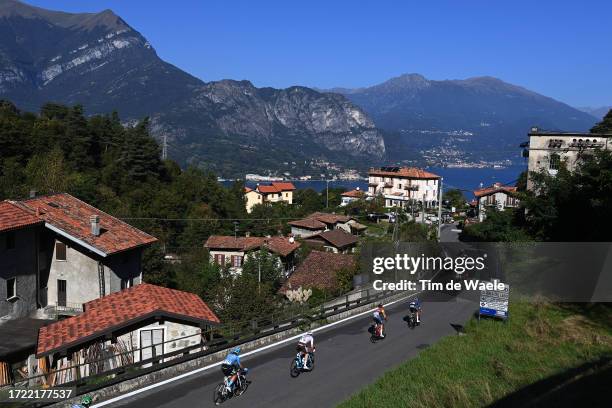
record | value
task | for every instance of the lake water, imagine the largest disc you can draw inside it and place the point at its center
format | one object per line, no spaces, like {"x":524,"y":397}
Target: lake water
{"x":461,"y":178}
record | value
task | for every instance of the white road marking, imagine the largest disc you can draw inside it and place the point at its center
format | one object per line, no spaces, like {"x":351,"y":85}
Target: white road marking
{"x":201,"y":369}
{"x":456,"y":230}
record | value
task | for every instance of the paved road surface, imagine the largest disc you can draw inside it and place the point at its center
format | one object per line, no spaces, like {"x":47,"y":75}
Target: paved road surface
{"x":448,"y":233}
{"x":345,"y":362}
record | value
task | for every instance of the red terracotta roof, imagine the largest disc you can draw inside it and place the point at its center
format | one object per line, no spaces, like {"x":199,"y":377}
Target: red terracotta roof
{"x":275,"y":187}
{"x":14,"y":217}
{"x":284,"y":186}
{"x":247,"y":190}
{"x":337,"y":238}
{"x":121,"y":310}
{"x":279,"y":245}
{"x":229,"y":242}
{"x":407,"y":172}
{"x":308,"y":223}
{"x":495,"y":188}
{"x":353,"y":194}
{"x":266,"y":189}
{"x":318,"y":270}
{"x":72,"y":216}
{"x":328,"y":218}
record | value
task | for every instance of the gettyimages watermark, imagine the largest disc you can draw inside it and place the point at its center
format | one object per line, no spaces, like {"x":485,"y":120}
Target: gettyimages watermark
{"x":563,"y":272}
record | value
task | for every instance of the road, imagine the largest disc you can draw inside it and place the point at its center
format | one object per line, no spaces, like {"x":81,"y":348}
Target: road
{"x":345,"y":362}
{"x":449,"y":233}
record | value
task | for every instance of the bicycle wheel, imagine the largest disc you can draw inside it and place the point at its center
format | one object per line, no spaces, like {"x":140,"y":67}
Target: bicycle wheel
{"x":218,"y":397}
{"x":294,"y":370}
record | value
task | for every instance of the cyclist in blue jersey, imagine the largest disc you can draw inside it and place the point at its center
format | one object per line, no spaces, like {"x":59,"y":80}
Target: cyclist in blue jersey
{"x":230,"y":367}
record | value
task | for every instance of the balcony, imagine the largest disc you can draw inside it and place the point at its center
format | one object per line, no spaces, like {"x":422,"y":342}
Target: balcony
{"x":68,"y":309}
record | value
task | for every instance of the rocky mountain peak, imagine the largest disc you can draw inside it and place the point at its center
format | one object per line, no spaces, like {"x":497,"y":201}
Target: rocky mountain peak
{"x":97,"y":60}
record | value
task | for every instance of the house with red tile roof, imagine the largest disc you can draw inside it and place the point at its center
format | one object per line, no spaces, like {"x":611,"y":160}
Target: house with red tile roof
{"x":19,"y":232}
{"x":56,"y":253}
{"x":496,"y":196}
{"x":233,"y":251}
{"x":351,"y":196}
{"x":84,"y":253}
{"x":274,"y":192}
{"x":318,"y":222}
{"x":336,"y":240}
{"x":404,"y":186}
{"x":147,"y":319}
{"x":319,"y":271}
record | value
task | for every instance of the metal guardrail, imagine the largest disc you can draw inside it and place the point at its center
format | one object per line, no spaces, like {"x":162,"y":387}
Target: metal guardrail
{"x":218,"y":339}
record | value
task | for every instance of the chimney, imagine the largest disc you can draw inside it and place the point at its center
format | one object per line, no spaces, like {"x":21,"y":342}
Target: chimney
{"x":32,"y":193}
{"x":95,"y":225}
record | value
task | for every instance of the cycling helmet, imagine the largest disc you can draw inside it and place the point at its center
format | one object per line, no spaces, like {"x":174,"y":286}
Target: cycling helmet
{"x":309,"y":333}
{"x":86,"y":400}
{"x":236,"y":350}
{"x":380,"y":305}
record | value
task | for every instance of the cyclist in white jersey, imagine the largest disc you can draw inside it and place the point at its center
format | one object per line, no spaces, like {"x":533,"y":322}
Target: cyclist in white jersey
{"x":305,"y":346}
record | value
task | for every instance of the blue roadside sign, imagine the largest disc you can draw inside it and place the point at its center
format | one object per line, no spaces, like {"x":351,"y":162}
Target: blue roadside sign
{"x":494,"y":303}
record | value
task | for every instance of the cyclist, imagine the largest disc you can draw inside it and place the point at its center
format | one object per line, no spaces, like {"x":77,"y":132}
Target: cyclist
{"x":230,"y":367}
{"x":306,"y":346}
{"x":379,"y":316}
{"x":86,"y":401}
{"x":415,"y":307}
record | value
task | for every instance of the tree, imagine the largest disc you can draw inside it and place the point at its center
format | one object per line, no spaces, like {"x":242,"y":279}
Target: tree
{"x":499,"y":226}
{"x":47,"y":172}
{"x":196,"y":274}
{"x":572,"y":206}
{"x":242,"y":298}
{"x":454,"y":197}
{"x":309,"y":201}
{"x":266,"y":263}
{"x":605,"y":126}
{"x":154,"y":269}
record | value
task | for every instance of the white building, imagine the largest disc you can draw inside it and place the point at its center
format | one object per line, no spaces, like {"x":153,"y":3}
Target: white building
{"x":547,"y":150}
{"x":269,"y":193}
{"x":351,"y":196}
{"x":496,"y":196}
{"x":401,"y":186}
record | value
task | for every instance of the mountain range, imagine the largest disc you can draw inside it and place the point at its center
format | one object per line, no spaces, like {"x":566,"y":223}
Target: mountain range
{"x":483,"y":117}
{"x":99,"y":61}
{"x":598,"y":112}
{"x":232,"y":127}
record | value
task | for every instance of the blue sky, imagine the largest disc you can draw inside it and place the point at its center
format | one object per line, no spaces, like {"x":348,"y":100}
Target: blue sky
{"x":558,"y":48}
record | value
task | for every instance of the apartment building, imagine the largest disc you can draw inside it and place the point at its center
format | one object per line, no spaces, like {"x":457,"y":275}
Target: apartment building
{"x":268,"y":193}
{"x":403,"y":186}
{"x":548,"y":150}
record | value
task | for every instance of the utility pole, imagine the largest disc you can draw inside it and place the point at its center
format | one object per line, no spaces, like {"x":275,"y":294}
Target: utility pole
{"x":165,"y":148}
{"x":326,"y":193}
{"x":440,"y":211}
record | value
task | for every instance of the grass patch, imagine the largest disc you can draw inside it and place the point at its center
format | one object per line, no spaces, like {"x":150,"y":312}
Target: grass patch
{"x":495,"y":359}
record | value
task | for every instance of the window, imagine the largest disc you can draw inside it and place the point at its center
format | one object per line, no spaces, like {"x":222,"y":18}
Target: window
{"x":61,"y":292}
{"x":60,"y":251}
{"x":236,"y":261}
{"x":554,"y":162}
{"x":399,"y":185}
{"x":11,"y":288}
{"x":220,"y":259}
{"x":10,"y":240}
{"x":287,"y":195}
{"x":127,"y":283}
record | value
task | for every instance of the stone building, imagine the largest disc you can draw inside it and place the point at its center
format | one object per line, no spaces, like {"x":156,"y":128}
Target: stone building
{"x":549,"y":150}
